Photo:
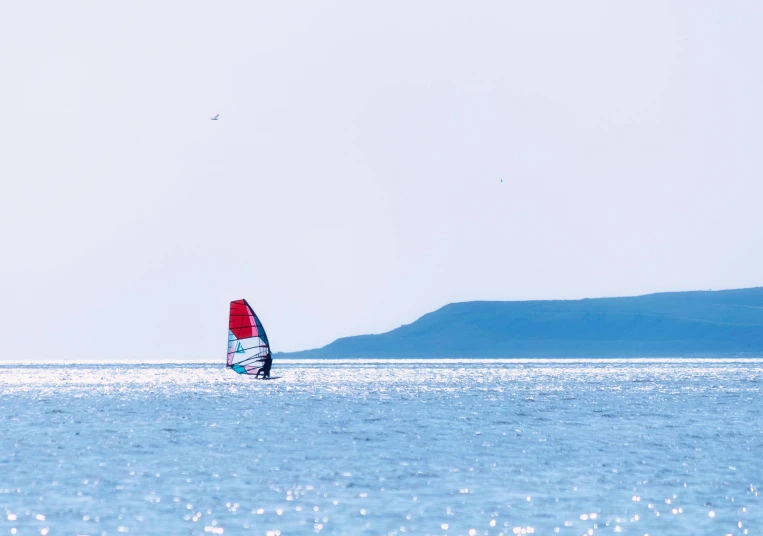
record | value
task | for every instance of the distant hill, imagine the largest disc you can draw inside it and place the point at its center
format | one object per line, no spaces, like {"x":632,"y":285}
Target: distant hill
{"x":722,"y":323}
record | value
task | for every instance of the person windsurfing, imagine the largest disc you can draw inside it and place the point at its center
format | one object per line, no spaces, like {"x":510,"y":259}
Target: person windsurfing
{"x":267,"y":362}
{"x":248,"y":346}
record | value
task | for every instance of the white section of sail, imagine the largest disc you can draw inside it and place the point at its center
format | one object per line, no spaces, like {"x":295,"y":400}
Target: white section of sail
{"x":245,"y":351}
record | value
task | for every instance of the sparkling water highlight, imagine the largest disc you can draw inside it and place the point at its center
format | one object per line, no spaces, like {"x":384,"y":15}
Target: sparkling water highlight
{"x":443,"y":447}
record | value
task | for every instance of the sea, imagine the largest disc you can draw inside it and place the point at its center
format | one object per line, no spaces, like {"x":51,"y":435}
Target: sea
{"x":384,"y":447}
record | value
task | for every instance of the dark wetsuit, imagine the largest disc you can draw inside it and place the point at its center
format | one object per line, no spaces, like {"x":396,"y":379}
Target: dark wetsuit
{"x":267,"y":362}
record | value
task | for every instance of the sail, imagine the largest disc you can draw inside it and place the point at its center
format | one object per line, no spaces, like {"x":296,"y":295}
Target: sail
{"x":247,"y":341}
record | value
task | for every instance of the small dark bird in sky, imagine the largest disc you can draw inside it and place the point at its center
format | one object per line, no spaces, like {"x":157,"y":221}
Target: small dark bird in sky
{"x":501,"y":180}
{"x":215,"y":117}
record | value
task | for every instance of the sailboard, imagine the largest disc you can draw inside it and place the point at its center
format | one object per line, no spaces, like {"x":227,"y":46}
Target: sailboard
{"x":247,"y":341}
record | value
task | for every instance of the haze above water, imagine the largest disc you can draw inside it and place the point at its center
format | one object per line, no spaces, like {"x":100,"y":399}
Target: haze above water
{"x":384,"y":447}
{"x":353,"y":180}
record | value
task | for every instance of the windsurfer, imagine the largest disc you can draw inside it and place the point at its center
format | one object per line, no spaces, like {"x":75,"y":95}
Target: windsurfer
{"x":267,"y":362}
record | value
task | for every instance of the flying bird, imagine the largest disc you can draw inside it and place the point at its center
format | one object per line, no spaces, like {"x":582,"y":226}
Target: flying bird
{"x":215,"y":117}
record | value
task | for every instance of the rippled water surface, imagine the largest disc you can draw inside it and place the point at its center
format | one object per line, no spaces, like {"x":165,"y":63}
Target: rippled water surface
{"x":384,"y":447}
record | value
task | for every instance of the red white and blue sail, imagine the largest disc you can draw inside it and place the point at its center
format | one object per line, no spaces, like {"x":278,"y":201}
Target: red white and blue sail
{"x":247,"y":341}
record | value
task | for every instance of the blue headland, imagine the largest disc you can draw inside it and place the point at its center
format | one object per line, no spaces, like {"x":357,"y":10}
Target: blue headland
{"x":725,"y":323}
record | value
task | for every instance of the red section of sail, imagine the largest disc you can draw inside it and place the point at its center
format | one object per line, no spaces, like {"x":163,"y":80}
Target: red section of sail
{"x":241,"y":321}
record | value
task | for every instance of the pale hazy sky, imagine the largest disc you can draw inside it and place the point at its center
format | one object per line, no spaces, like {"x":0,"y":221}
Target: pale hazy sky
{"x":352,"y":182}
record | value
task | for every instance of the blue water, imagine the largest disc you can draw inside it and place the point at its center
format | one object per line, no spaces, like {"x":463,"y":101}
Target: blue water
{"x":386,"y":447}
